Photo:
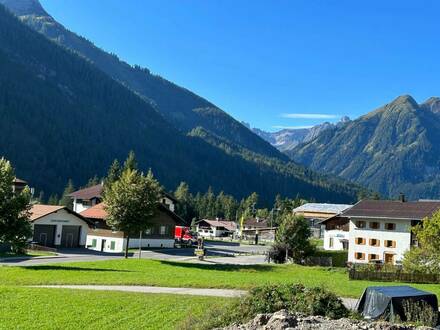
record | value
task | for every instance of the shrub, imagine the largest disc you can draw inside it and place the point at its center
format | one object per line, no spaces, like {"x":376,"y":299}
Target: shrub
{"x":339,"y":258}
{"x":277,"y":253}
{"x":295,"y":298}
{"x":420,"y":313}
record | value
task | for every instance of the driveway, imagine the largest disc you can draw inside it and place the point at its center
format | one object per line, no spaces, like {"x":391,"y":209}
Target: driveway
{"x":221,"y":252}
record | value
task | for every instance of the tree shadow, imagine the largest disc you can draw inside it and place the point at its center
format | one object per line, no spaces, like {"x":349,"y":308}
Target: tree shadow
{"x":219,"y":267}
{"x":56,"y":267}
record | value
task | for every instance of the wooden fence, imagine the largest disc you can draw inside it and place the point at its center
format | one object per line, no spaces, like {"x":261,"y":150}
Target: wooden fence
{"x":397,"y":276}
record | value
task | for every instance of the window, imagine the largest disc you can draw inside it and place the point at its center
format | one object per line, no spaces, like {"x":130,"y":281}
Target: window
{"x":330,"y":243}
{"x":112,"y":245}
{"x":390,"y":244}
{"x":373,"y":257}
{"x":94,"y":242}
{"x":374,"y":225}
{"x":148,"y":231}
{"x":360,"y":224}
{"x":390,"y":226}
{"x":374,"y":242}
{"x":360,"y":241}
{"x":359,"y":256}
{"x":163,"y":230}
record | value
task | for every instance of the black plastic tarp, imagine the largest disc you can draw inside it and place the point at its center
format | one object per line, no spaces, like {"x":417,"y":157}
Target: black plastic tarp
{"x":387,"y":302}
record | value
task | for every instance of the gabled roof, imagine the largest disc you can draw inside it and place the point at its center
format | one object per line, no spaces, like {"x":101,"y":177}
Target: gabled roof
{"x":393,"y":209}
{"x":170,"y":196}
{"x":229,"y":225}
{"x":98,"y":212}
{"x":39,"y":210}
{"x":254,"y":222}
{"x":322,"y":208}
{"x":19,"y":181}
{"x":88,"y":193}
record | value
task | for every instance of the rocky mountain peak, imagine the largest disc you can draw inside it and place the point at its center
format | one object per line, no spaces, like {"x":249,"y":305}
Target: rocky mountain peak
{"x":404,"y":100}
{"x":432,"y":104}
{"x":24,"y":7}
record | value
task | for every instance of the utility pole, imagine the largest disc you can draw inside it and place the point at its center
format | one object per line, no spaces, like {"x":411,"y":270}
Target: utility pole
{"x":140,"y":244}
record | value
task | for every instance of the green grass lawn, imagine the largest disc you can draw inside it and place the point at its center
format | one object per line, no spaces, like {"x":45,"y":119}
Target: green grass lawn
{"x":29,"y":253}
{"x":32,"y":308}
{"x":176,"y":274}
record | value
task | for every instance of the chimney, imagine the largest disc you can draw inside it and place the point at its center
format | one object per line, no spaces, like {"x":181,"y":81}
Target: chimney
{"x":402,"y":197}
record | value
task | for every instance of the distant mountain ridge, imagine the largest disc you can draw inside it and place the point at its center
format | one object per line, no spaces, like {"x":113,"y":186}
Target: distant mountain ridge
{"x":393,"y":149}
{"x":64,"y":117}
{"x":287,"y":139}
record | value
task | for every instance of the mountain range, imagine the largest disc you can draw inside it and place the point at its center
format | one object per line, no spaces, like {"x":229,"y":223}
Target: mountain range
{"x":69,"y":108}
{"x":394,"y":149}
{"x":288,"y":138}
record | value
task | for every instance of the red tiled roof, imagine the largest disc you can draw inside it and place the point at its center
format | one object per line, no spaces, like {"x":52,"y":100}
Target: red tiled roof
{"x":88,"y":193}
{"x":393,"y":209}
{"x":38,"y":210}
{"x":95,"y":212}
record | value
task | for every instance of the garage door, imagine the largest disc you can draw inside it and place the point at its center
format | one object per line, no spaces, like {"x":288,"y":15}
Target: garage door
{"x":44,"y":235}
{"x":70,"y":236}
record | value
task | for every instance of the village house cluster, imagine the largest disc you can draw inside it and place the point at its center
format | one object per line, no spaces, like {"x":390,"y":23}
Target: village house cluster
{"x":371,"y":231}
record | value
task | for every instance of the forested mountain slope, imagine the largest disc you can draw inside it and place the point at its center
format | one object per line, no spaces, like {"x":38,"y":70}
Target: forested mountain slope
{"x":184,"y":109}
{"x":61,"y":117}
{"x":391,"y":150}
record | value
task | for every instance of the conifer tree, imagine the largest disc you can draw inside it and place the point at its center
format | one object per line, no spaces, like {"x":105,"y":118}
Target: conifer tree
{"x":66,"y":200}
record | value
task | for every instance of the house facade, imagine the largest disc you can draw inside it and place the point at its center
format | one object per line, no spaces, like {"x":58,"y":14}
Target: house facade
{"x":315,"y":213}
{"x":215,"y":228}
{"x":86,"y":198}
{"x":380,"y":231}
{"x":58,"y":227}
{"x":160,"y":233}
{"x":336,"y":233}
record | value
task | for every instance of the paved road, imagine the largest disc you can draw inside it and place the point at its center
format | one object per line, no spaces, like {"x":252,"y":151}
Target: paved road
{"x":350,"y":303}
{"x":224,"y":252}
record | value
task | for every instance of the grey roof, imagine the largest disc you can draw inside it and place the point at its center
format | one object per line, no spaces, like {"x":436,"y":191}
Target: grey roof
{"x":323,"y":208}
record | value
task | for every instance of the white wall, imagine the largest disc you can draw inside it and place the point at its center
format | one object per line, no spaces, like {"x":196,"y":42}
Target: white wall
{"x":169,"y":203}
{"x":337,"y":236}
{"x":78,"y":207}
{"x":120,"y":243}
{"x":60,"y":218}
{"x":401,"y":235}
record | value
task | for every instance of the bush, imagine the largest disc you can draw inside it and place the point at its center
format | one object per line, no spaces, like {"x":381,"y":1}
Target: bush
{"x":277,"y":253}
{"x":339,"y":258}
{"x":295,"y":298}
{"x":420,"y":313}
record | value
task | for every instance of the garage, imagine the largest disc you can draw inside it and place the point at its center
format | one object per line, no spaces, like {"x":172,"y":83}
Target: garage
{"x":44,"y":234}
{"x":58,"y":226}
{"x":70,"y":236}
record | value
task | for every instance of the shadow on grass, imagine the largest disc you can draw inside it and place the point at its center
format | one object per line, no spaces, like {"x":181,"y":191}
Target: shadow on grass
{"x":53,"y":267}
{"x":219,"y":267}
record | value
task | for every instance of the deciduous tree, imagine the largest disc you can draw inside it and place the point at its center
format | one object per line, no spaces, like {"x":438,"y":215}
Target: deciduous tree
{"x":131,"y":202}
{"x":14,"y":210}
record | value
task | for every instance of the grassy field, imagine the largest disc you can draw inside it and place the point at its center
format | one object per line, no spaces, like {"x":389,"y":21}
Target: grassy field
{"x":175,"y":274}
{"x":29,"y":253}
{"x":31,"y":308}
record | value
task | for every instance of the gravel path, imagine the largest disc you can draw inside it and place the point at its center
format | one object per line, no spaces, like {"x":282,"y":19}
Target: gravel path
{"x":152,"y":289}
{"x":350,"y":303}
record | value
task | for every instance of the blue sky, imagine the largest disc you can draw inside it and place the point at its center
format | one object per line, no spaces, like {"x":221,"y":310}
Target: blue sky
{"x":274,"y":64}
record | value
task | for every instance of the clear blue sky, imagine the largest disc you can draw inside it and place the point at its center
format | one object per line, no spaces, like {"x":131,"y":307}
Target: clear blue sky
{"x":259,"y":60}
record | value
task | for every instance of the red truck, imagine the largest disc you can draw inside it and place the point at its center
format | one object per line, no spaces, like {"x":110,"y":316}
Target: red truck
{"x":183,"y":235}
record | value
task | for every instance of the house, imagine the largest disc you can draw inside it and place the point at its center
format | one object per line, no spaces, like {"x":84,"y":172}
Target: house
{"x":253,"y":226}
{"x":317,"y":212}
{"x":336,"y":232}
{"x":18,"y":185}
{"x":86,"y":198}
{"x":103,"y":238}
{"x":380,"y":230}
{"x":215,"y":228}
{"x":59,"y":227}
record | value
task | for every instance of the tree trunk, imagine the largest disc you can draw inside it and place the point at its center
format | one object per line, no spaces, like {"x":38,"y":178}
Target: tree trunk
{"x":126,"y":246}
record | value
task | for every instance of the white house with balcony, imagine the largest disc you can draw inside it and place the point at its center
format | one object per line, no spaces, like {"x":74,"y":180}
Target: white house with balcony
{"x":380,"y":231}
